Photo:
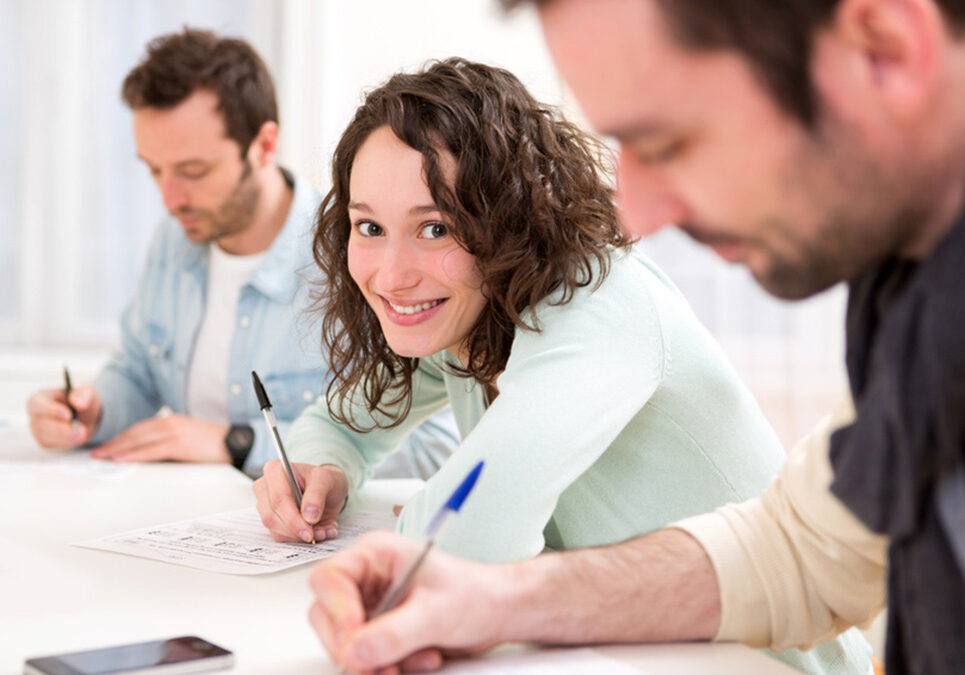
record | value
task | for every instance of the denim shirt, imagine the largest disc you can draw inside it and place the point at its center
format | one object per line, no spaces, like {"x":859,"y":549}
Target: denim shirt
{"x":272,"y":335}
{"x":160,"y":326}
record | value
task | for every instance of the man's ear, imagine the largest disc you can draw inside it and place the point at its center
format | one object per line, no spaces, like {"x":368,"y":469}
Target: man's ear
{"x":264,"y":146}
{"x":890,"y":53}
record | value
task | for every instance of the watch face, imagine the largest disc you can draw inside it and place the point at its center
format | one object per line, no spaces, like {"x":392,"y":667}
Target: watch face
{"x":240,"y":438}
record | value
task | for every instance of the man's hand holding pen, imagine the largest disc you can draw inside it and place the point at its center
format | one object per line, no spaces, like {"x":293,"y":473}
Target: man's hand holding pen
{"x":325,"y":489}
{"x":52,"y":423}
{"x":452,"y":608}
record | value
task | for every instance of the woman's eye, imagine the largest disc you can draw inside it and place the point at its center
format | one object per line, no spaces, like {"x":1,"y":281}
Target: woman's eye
{"x":434,"y":230}
{"x":368,"y":229}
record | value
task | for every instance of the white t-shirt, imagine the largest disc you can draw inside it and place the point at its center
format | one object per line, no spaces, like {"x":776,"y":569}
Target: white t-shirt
{"x":207,"y":383}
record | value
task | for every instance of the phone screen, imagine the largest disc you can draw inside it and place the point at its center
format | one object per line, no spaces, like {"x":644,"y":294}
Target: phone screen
{"x":161,"y":654}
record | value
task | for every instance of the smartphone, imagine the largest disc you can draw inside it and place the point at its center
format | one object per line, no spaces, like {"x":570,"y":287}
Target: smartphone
{"x":187,"y":654}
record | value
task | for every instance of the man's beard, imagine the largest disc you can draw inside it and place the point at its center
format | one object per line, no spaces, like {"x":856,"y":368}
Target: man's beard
{"x":236,"y":212}
{"x":861,"y":212}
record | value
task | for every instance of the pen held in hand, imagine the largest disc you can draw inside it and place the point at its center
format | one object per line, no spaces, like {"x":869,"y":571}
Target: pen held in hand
{"x":265,"y":405}
{"x":398,"y":589}
{"x":67,"y":388}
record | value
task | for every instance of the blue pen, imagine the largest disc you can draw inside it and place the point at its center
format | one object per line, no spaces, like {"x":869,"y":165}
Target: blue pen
{"x":433,"y":532}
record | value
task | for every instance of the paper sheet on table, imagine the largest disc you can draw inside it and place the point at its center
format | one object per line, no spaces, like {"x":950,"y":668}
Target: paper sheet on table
{"x":20,"y":452}
{"x":543,"y":662}
{"x":234,"y":542}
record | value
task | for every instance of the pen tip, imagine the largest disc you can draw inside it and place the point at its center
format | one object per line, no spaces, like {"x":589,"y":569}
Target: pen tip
{"x":260,"y":392}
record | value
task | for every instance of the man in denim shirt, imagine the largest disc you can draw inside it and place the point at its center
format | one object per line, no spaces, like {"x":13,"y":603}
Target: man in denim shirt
{"x":223,"y":289}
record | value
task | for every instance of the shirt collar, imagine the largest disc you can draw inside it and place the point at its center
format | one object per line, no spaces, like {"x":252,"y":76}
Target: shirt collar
{"x":290,"y":253}
{"x":288,"y":258}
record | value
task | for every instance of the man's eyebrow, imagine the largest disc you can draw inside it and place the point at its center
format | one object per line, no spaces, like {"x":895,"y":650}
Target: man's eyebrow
{"x":183,"y":162}
{"x":634,"y":131}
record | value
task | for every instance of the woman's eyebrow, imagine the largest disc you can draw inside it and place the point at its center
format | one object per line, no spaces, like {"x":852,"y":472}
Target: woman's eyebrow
{"x":425,"y":208}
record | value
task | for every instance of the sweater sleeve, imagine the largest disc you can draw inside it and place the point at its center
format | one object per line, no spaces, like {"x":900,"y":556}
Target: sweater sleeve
{"x":794,"y":567}
{"x":315,"y":438}
{"x":567,"y":391}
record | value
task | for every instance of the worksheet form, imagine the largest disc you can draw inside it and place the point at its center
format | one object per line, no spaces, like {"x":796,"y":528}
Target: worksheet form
{"x":19,"y":452}
{"x":235,"y":542}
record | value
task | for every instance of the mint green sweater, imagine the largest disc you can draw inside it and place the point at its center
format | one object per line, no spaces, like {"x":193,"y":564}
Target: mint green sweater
{"x":621,"y":415}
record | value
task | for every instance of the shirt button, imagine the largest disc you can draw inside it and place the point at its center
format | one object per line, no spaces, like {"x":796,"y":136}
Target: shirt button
{"x":236,"y":389}
{"x":153,"y":350}
{"x":245,"y":321}
{"x":308,"y":395}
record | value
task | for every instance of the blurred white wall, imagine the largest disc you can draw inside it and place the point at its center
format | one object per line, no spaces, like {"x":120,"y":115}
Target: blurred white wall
{"x":77,"y":208}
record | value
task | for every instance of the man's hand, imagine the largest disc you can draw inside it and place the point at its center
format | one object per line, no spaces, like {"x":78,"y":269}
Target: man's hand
{"x":655,"y":588}
{"x":324,"y":491}
{"x":50,"y":419}
{"x":452,"y":608}
{"x":172,"y":437}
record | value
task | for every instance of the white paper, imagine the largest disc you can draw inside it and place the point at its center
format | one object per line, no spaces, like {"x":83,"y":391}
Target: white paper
{"x":20,"y":452}
{"x":543,"y":662}
{"x":12,"y":419}
{"x":234,"y":542}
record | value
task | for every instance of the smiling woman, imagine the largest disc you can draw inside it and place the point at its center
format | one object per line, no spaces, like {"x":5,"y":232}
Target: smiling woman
{"x":421,"y":283}
{"x":472,"y":254}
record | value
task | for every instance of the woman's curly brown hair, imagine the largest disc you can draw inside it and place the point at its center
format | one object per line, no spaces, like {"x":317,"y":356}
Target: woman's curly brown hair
{"x":531,"y":201}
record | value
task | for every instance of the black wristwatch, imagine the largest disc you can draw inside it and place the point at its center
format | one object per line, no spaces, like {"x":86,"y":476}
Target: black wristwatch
{"x":239,"y":440}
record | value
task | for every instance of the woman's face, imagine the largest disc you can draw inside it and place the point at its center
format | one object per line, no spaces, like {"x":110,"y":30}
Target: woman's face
{"x":421,"y":284}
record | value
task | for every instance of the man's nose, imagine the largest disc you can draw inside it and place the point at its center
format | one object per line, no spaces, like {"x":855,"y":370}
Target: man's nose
{"x":173,"y":193}
{"x":646,"y":197}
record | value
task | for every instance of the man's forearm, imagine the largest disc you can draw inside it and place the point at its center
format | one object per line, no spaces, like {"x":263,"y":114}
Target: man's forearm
{"x":660,"y":587}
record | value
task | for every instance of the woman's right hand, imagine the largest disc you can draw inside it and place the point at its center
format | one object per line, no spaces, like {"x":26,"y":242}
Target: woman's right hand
{"x":324,"y":491}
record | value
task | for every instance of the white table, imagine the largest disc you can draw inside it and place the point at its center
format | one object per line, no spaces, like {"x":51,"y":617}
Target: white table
{"x":55,"y":597}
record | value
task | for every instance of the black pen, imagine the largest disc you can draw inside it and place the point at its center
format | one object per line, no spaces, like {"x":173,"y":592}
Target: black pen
{"x":73,"y":410}
{"x":273,"y":425}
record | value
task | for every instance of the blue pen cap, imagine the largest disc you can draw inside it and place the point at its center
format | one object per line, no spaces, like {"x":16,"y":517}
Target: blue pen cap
{"x":459,"y":496}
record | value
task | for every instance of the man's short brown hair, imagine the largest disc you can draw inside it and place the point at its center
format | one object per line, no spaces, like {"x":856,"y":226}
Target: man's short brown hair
{"x":179,"y":64}
{"x":775,"y":36}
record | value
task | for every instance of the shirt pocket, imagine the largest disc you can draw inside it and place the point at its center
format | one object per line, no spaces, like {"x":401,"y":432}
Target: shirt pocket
{"x":291,"y":392}
{"x":162,"y":362}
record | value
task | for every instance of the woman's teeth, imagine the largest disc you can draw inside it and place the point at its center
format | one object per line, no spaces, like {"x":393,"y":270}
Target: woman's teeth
{"x":412,"y":309}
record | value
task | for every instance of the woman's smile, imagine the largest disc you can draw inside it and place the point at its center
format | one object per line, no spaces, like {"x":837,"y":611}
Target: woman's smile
{"x":407,"y":313}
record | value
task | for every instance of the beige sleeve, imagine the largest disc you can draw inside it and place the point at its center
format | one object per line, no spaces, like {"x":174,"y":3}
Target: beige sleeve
{"x":794,"y":566}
